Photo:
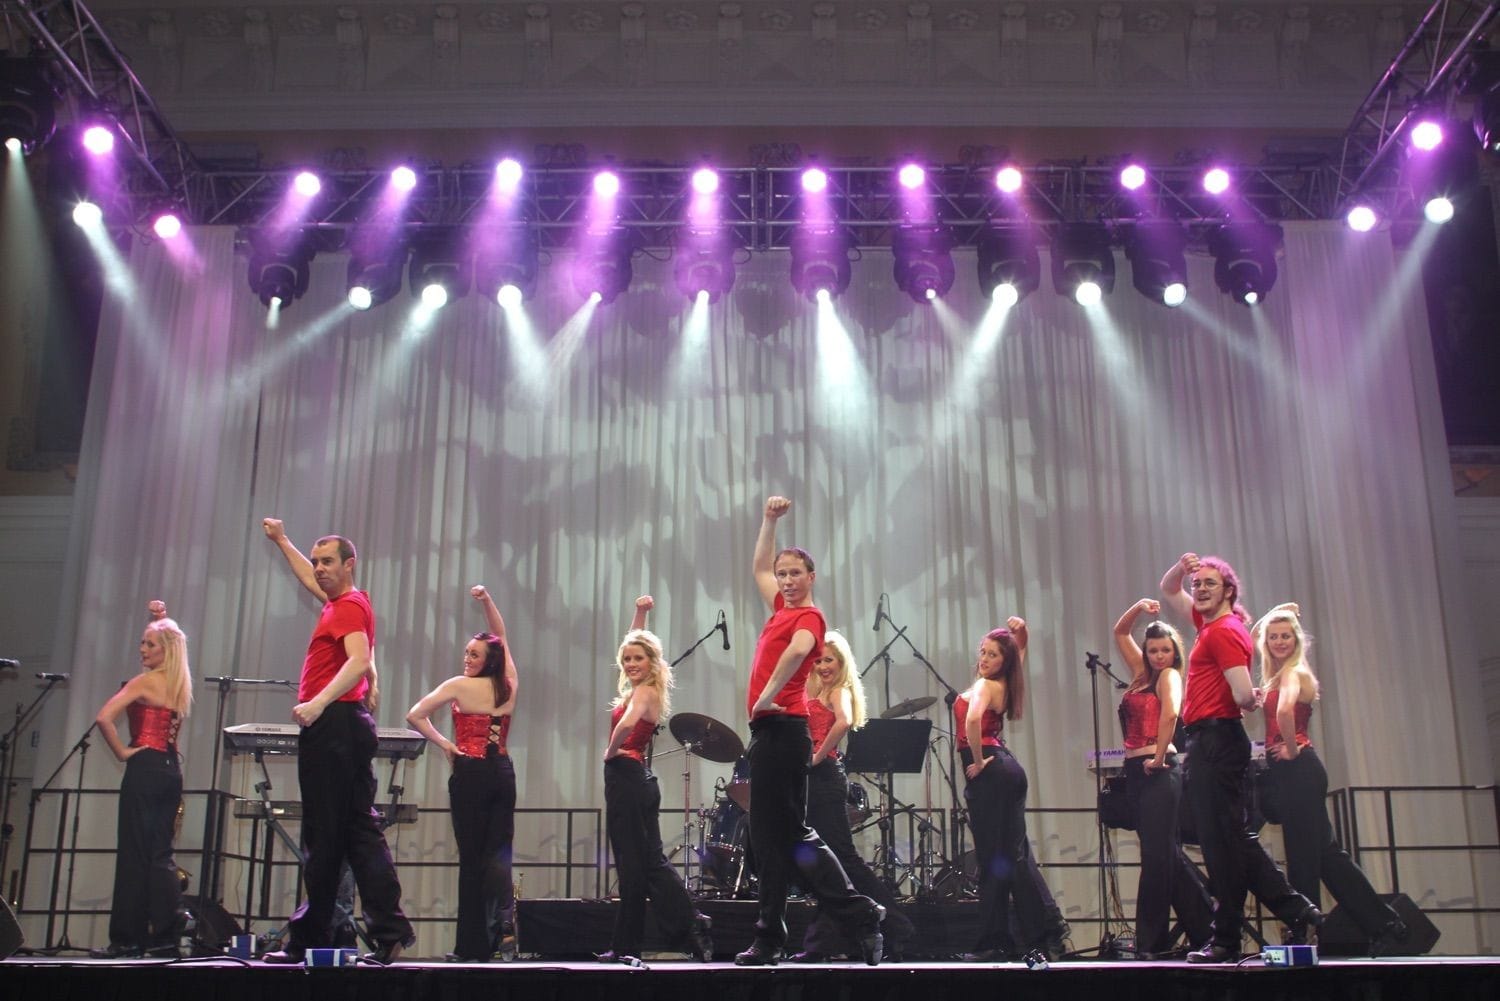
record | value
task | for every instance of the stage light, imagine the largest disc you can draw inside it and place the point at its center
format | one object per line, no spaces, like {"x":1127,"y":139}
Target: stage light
{"x":98,"y":140}
{"x":1245,"y":259}
{"x":703,"y":263}
{"x":508,"y":174}
{"x":1362,"y":218}
{"x":377,"y":264}
{"x":306,"y":184}
{"x":1083,"y":265}
{"x":87,"y":214}
{"x":814,"y":179}
{"x":1008,"y":179}
{"x":606,"y":184}
{"x":1426,"y":135}
{"x":820,"y":261}
{"x":403,"y":178}
{"x":912,"y":176}
{"x":1133,"y":177}
{"x":28,"y":100}
{"x":441,"y":267}
{"x":923,"y":266}
{"x":1158,"y":261}
{"x":168,"y":225}
{"x":603,"y":266}
{"x":705,"y":181}
{"x":280,"y":266}
{"x":1216,"y":180}
{"x":1438,"y":209}
{"x":1010,"y":267}
{"x":505,"y":264}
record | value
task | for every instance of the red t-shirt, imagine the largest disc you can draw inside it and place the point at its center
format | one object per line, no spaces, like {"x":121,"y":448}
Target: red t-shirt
{"x":1221,"y":644}
{"x":775,"y":637}
{"x":348,"y":613}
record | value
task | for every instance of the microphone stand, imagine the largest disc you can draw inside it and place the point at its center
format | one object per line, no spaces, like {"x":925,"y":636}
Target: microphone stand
{"x":1094,"y":665}
{"x":81,"y":748}
{"x":687,"y":849}
{"x":8,"y":767}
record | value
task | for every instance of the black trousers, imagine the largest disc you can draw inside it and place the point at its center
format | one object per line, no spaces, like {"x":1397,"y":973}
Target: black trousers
{"x":828,"y":815}
{"x":482,"y":800}
{"x":778,"y":753}
{"x":996,"y":802}
{"x":1219,"y":762}
{"x":1312,"y":855}
{"x":334,"y":758}
{"x":632,"y":801}
{"x":1169,"y":880}
{"x":147,"y":895}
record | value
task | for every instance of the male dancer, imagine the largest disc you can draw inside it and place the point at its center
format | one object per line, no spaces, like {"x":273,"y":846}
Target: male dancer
{"x":780,"y":748}
{"x":334,"y":754}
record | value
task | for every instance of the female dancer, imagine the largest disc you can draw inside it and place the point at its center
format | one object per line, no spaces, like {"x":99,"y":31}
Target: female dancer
{"x":145,"y":917}
{"x":1218,"y":693}
{"x":632,"y":800}
{"x":482,"y":788}
{"x":996,"y":793}
{"x":1148,"y":715}
{"x":836,"y":705}
{"x":1300,"y":784}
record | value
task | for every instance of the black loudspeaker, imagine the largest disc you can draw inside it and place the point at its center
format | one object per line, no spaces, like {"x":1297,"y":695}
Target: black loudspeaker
{"x":11,"y":938}
{"x":214,"y":925}
{"x":1340,"y":935}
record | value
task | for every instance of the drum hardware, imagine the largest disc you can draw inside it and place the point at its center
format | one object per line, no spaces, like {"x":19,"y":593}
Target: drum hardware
{"x":909,"y":707}
{"x":707,"y":738}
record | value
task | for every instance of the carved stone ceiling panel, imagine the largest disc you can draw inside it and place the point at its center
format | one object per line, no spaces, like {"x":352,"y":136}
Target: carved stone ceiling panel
{"x":294,"y":64}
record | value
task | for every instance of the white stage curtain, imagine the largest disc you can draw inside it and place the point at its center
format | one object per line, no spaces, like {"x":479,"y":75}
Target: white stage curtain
{"x":1049,"y":464}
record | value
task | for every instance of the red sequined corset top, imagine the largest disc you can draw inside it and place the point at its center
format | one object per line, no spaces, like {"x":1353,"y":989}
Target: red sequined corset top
{"x":476,"y":733}
{"x":990,"y":724}
{"x":1300,"y":717}
{"x":820,"y":720}
{"x":639,"y":736}
{"x":153,"y":726}
{"x":1140,"y":717}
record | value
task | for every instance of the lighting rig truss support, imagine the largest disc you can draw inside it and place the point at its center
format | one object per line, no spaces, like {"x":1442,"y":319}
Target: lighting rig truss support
{"x":1418,"y":79}
{"x":103,"y":82}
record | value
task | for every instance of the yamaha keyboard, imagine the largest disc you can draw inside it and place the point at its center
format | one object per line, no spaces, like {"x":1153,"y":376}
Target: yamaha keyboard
{"x":281,"y":738}
{"x":1111,"y":760}
{"x":254,"y":809}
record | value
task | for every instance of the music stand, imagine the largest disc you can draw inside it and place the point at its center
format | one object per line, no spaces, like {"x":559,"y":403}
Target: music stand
{"x":888,"y":745}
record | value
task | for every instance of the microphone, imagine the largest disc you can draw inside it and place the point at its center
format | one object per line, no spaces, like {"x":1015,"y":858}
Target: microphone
{"x":723,"y":627}
{"x":879,"y":612}
{"x":49,"y":676}
{"x":7,"y":662}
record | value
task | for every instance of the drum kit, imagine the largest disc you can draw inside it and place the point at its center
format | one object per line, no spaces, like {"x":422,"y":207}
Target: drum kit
{"x":720,"y":845}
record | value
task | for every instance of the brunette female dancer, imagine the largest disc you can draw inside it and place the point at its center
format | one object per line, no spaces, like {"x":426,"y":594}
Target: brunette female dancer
{"x":145,"y":917}
{"x":1299,"y":784}
{"x":632,"y":800}
{"x":482,"y":788}
{"x":1153,"y":782}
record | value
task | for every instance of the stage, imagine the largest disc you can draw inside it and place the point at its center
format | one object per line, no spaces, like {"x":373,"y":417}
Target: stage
{"x":1470,"y":978}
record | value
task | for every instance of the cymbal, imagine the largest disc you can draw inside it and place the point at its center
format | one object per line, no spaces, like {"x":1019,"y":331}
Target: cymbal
{"x":709,"y":738}
{"x":909,"y":707}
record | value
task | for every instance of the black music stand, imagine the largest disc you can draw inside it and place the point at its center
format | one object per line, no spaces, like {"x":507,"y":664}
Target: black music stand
{"x":879,"y":750}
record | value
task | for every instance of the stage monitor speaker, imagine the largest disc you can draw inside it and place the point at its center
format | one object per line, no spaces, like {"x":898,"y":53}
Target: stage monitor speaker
{"x":214,"y":925}
{"x":1341,"y":936}
{"x":11,"y":938}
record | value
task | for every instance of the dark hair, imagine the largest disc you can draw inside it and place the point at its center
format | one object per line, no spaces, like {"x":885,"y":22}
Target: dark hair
{"x":800,"y":553}
{"x":1010,"y":671}
{"x":1231,"y":582}
{"x":494,"y":666}
{"x":1158,"y":630}
{"x":346,"y":548}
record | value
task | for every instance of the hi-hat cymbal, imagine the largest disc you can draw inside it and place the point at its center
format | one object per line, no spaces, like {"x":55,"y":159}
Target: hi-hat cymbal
{"x":909,"y":707}
{"x":709,"y":738}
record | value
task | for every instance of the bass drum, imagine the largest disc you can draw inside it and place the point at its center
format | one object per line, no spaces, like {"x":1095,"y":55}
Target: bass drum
{"x":728,"y":866}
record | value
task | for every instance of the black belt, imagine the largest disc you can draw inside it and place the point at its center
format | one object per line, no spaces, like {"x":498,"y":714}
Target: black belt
{"x":1198,"y":726}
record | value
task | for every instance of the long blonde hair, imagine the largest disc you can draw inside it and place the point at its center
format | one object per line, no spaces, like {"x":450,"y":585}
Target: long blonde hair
{"x":174,"y":665}
{"x":847,"y":679}
{"x":661,"y":671}
{"x":1270,"y":674}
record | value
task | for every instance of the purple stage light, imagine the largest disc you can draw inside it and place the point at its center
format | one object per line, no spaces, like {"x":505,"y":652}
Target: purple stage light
{"x":1008,"y":180}
{"x":167,"y":225}
{"x":403,"y":178}
{"x":1362,"y":218}
{"x":705,"y":181}
{"x":814,"y":179}
{"x":508,"y":173}
{"x":912,"y":176}
{"x":1133,"y":177}
{"x":1427,"y":135}
{"x":606,"y":184}
{"x":1216,"y":181}
{"x":98,"y":140}
{"x":307,"y":184}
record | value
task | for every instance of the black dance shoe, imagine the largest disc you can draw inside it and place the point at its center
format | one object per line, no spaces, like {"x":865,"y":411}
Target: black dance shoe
{"x":285,"y":957}
{"x":508,"y":943}
{"x":870,"y":948}
{"x":1300,"y":931}
{"x":1212,"y":953}
{"x":386,"y":953}
{"x":808,"y":956}
{"x":702,"y":943}
{"x":759,"y":954}
{"x":117,"y":951}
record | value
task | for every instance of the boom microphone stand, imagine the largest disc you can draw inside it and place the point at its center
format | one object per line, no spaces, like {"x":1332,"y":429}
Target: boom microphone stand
{"x":8,"y":763}
{"x":721,"y":626}
{"x":81,"y":748}
{"x":1106,"y":938}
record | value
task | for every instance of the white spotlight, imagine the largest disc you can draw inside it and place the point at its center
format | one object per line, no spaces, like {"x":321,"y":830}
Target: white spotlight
{"x":87,"y":214}
{"x":1088,"y":294}
{"x":360,"y":297}
{"x":509,"y":296}
{"x":1005,"y":295}
{"x":1174,"y":294}
{"x":1437,"y":210}
{"x":434,"y":296}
